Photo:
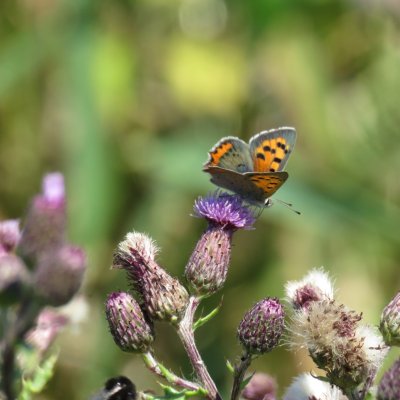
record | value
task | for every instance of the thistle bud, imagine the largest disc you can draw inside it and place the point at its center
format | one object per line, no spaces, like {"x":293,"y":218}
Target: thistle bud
{"x":315,"y":286}
{"x":59,"y":275}
{"x":163,"y":297}
{"x":208,"y":265}
{"x":128,"y":326}
{"x":261,"y":387}
{"x":348,"y":351}
{"x":48,"y":325}
{"x":389,"y":386}
{"x":14,"y":278}
{"x":45,"y":222}
{"x":390,"y":322}
{"x":262,"y":326}
{"x":9,"y":235}
{"x":306,"y":387}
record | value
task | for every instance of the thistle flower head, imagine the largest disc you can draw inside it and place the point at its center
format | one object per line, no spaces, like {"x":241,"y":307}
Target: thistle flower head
{"x":347,"y":351}
{"x":306,"y":387}
{"x":225,"y":210}
{"x":390,"y":322}
{"x":162,"y":296}
{"x":9,"y":235}
{"x":45,"y":222}
{"x":389,"y":386}
{"x":48,"y":325}
{"x":261,"y":387}
{"x":315,"y":286}
{"x":262,"y":326}
{"x":59,"y":274}
{"x":131,"y":331}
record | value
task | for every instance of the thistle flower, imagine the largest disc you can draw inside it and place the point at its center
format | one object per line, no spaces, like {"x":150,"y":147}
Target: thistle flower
{"x":348,"y":352}
{"x":262,"y":326}
{"x":9,"y":235}
{"x":261,"y":387}
{"x":390,"y":322}
{"x":45,"y":222}
{"x":389,"y":386}
{"x":208,"y":265}
{"x":315,"y":286}
{"x":48,"y":326}
{"x":128,"y":326}
{"x":59,"y":274}
{"x":163,"y":297}
{"x":306,"y":387}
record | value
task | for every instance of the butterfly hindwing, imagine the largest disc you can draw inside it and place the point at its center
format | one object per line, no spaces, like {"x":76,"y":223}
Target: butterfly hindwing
{"x":268,"y":182}
{"x":230,"y":153}
{"x":270,"y":150}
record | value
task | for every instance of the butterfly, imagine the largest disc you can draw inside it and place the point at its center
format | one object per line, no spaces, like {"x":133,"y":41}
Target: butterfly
{"x":254,"y":171}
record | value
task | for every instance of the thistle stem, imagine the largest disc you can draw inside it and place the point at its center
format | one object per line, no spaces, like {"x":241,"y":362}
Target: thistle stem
{"x":157,"y":368}
{"x":240,"y":370}
{"x":186,"y":334}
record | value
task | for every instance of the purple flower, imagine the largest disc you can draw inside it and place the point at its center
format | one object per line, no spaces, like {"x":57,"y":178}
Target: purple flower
{"x":128,"y":326}
{"x":262,"y":326}
{"x":261,"y":387}
{"x":46,"y":219}
{"x":9,"y":235}
{"x":389,"y":386}
{"x":225,"y":210}
{"x":207,"y":267}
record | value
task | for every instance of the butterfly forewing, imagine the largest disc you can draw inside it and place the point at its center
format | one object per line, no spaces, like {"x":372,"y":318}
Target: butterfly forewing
{"x":270,"y":150}
{"x":230,"y":153}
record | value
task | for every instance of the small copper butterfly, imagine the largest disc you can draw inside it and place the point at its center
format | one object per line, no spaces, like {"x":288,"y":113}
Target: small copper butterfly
{"x":254,"y":171}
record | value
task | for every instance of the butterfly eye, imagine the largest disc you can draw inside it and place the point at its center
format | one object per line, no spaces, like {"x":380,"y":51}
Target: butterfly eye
{"x":268,"y":203}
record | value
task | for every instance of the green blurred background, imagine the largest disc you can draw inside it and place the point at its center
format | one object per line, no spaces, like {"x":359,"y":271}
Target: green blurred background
{"x":126,"y":97}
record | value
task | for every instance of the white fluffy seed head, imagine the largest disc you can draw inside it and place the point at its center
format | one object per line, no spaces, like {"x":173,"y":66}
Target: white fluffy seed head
{"x":305,"y":387}
{"x":315,"y":286}
{"x":142,"y":243}
{"x":373,"y":345}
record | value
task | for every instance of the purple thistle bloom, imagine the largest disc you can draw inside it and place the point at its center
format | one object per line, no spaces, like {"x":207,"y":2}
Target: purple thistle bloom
{"x":9,"y":235}
{"x":262,"y":326}
{"x":389,"y":387}
{"x":390,"y":322}
{"x":225,"y":210}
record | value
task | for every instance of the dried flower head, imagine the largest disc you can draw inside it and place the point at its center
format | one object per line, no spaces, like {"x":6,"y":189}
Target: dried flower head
{"x":390,"y":322}
{"x":262,"y":326}
{"x":207,"y":267}
{"x":306,"y":387}
{"x":163,"y":297}
{"x":389,"y":386}
{"x":347,"y":351}
{"x":261,"y":387}
{"x":59,"y":274}
{"x":225,"y":210}
{"x":315,"y":286}
{"x":131,"y":331}
{"x":45,"y":222}
{"x":9,"y":235}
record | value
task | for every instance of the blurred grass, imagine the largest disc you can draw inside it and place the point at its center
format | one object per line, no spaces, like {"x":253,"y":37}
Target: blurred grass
{"x":126,"y":98}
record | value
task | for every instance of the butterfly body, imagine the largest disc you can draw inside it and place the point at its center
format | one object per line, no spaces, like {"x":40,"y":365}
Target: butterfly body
{"x":254,"y":171}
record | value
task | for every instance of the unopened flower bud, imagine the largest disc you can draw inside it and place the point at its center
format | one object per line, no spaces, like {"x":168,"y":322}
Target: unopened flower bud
{"x":48,"y":326}
{"x":390,"y":322}
{"x":306,"y":387}
{"x":261,"y":387}
{"x":128,"y":326}
{"x":59,"y":274}
{"x":389,"y":386}
{"x":9,"y":235}
{"x":315,"y":286}
{"x":14,"y":278}
{"x":262,"y":326}
{"x":45,"y":222}
{"x":208,"y":265}
{"x":347,"y":351}
{"x":163,"y":297}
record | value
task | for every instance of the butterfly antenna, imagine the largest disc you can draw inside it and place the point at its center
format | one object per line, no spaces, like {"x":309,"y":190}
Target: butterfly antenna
{"x":289,"y":206}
